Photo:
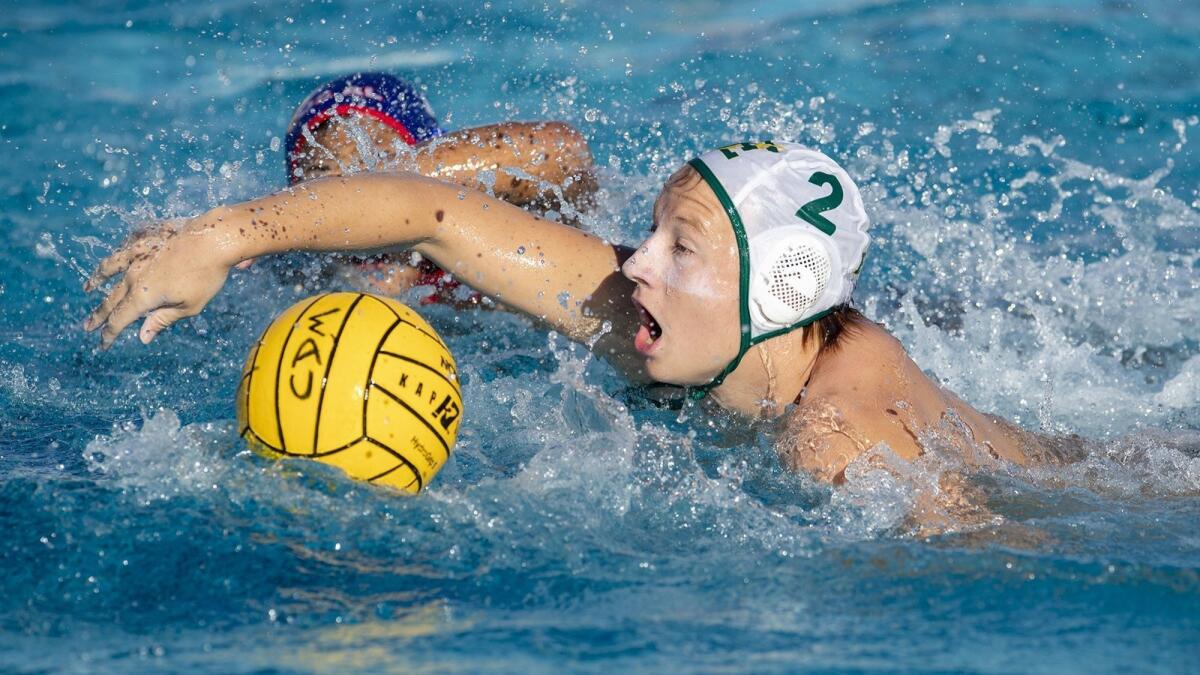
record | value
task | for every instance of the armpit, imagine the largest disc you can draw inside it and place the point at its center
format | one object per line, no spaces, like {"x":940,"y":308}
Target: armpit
{"x":817,"y":439}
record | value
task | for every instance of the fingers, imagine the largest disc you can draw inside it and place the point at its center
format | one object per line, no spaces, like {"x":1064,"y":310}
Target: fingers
{"x":134,"y":247}
{"x":119,"y":308}
{"x":161,"y":277}
{"x":101,"y":313}
{"x":117,"y":262}
{"x":160,"y":320}
{"x":122,"y":307}
{"x":126,"y":312}
{"x":113,"y":324}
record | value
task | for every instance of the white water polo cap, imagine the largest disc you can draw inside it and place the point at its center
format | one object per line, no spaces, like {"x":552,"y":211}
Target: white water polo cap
{"x":801,"y":232}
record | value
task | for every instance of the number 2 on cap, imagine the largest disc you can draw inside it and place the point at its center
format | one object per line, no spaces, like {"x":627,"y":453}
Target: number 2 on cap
{"x":812,"y":211}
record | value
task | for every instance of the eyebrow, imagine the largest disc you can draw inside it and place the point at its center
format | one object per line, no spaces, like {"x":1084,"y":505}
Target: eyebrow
{"x":699,"y":226}
{"x":699,"y":205}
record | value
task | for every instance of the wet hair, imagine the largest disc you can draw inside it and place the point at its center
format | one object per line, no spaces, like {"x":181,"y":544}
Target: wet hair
{"x":829,"y":329}
{"x":684,"y":179}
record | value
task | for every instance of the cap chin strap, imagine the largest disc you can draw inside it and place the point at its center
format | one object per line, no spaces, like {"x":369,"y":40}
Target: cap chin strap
{"x":739,"y":232}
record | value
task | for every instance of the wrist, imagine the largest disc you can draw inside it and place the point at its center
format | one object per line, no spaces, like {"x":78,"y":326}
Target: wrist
{"x":219,"y":230}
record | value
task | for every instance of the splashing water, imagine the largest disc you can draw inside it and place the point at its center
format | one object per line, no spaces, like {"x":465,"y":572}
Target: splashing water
{"x":1032,"y":183}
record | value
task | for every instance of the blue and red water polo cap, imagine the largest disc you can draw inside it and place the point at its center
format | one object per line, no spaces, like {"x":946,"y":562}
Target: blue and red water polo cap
{"x":384,"y":97}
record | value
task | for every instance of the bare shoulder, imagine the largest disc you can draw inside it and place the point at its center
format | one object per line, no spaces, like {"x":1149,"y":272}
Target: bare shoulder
{"x":858,"y":396}
{"x":818,"y":438}
{"x":866,"y":357}
{"x":820,"y":434}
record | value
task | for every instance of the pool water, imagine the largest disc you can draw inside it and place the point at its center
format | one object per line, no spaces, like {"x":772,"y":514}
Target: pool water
{"x":1034,"y":183}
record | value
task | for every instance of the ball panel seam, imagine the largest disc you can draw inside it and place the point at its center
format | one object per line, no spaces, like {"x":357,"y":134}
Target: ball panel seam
{"x":426,"y":366}
{"x":412,"y":467}
{"x":416,"y":415}
{"x":279,"y":369}
{"x":424,"y":332}
{"x":329,"y":366}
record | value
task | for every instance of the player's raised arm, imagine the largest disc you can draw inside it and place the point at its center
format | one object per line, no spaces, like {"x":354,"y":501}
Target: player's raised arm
{"x":565,"y":277}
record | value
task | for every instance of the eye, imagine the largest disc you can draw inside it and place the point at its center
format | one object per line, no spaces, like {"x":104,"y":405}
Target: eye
{"x":680,"y":249}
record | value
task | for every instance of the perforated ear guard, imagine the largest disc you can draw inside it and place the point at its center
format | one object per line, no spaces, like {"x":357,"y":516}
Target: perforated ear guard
{"x":801,"y":231}
{"x":792,"y":269}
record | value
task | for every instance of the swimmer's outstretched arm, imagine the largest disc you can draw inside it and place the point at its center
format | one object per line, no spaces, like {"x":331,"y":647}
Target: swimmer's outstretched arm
{"x":565,"y":277}
{"x":532,"y":163}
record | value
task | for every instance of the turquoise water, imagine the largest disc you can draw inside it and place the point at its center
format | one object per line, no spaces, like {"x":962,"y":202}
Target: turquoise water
{"x":1034,"y":182}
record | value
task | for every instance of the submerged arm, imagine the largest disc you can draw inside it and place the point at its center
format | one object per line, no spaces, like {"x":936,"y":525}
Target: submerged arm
{"x":560,"y":275}
{"x":819,"y":440}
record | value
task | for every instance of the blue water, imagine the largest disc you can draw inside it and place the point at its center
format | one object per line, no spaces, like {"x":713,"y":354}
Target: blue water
{"x":1033,"y":177}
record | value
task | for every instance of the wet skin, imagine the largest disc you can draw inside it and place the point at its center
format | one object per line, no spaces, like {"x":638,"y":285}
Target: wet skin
{"x":670,"y":314}
{"x":864,"y":392}
{"x":551,"y":151}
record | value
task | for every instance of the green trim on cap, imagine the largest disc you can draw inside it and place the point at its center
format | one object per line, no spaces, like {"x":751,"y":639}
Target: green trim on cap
{"x":739,"y":232}
{"x":799,"y":324}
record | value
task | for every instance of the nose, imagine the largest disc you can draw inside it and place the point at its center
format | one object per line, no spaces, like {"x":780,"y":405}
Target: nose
{"x":635,"y":268}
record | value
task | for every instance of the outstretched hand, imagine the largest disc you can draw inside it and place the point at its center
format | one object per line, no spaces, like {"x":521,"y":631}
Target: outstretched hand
{"x":167,"y":272}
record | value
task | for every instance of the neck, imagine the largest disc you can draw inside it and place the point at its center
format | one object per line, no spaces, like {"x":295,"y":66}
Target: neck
{"x":770,"y":376}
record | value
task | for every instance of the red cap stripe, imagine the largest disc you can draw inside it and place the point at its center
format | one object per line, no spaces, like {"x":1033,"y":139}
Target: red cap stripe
{"x":344,"y":110}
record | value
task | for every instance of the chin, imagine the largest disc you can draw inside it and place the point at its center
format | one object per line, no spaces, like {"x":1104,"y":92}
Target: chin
{"x":660,"y":372}
{"x":665,"y":374}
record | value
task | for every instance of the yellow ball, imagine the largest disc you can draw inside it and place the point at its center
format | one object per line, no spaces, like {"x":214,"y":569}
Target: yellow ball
{"x":354,"y":380}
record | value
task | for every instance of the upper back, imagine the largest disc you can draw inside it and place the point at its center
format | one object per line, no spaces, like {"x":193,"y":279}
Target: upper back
{"x":867,"y":391}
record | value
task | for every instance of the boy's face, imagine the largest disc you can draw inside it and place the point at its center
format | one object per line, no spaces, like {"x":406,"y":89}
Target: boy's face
{"x":347,"y":146}
{"x":687,"y":285}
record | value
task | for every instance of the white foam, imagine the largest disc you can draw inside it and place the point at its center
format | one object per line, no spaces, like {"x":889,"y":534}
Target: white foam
{"x":1183,"y":390}
{"x":1057,"y":343}
{"x":163,"y":459}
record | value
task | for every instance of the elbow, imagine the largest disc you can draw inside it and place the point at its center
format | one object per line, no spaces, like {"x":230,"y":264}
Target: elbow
{"x":575,"y":158}
{"x":569,"y":141}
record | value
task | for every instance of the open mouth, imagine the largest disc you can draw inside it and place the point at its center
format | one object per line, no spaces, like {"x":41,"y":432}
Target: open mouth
{"x":648,"y":332}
